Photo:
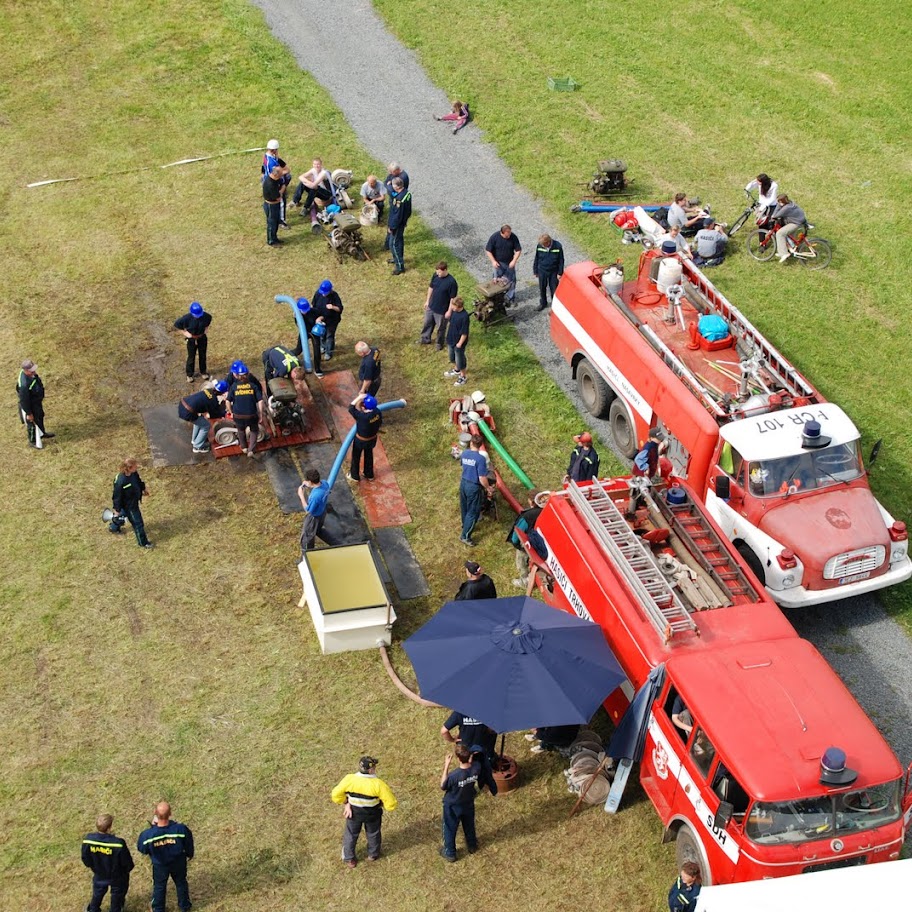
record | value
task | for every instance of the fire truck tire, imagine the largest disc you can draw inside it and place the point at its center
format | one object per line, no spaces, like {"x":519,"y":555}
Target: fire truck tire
{"x":595,"y":393}
{"x":752,"y":561}
{"x":622,"y":429}
{"x":759,"y":247}
{"x":689,"y":848}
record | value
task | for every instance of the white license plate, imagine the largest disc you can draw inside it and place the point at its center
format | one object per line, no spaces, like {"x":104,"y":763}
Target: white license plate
{"x":854,"y":579}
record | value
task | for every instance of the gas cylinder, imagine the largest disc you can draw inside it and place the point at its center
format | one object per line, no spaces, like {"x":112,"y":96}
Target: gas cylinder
{"x":613,"y":279}
{"x":669,"y":273}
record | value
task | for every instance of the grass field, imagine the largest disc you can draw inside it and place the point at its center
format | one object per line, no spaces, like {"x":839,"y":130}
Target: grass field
{"x":187,"y":672}
{"x":700,"y":98}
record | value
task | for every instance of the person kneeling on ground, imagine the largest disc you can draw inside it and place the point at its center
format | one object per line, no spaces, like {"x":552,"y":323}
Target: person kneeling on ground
{"x":552,"y":737}
{"x":710,"y":245}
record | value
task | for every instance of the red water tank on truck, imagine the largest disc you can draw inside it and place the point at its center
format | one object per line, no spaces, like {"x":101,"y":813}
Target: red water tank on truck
{"x":778,"y":466}
{"x":744,"y":734}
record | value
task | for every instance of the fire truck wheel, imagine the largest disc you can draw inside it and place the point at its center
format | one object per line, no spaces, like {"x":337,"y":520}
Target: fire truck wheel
{"x":595,"y":393}
{"x":688,"y":848}
{"x":622,"y":429}
{"x":752,"y":561}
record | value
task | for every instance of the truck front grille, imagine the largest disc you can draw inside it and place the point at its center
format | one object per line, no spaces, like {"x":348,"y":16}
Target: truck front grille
{"x":851,"y":563}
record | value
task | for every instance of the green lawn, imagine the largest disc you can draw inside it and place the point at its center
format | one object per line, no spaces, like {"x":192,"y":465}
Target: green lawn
{"x":188,"y":672}
{"x":701,"y":98}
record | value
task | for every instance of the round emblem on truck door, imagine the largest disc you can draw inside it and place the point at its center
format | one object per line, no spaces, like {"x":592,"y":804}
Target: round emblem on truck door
{"x":837,"y":845}
{"x":837,"y":518}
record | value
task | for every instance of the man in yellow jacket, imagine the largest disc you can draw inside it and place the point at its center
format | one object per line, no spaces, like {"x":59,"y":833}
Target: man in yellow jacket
{"x":364,"y":796}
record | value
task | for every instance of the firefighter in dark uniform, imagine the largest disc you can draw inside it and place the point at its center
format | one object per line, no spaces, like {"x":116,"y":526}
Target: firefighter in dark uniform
{"x":370,"y":368}
{"x":129,"y":489}
{"x":368,"y":421}
{"x":478,"y":584}
{"x":278,"y":362}
{"x":246,"y":398}
{"x":584,"y":461}
{"x":170,"y":846}
{"x":682,"y":897}
{"x":400,"y":212}
{"x":30,"y":390}
{"x":547,"y":267}
{"x":312,"y":319}
{"x":110,"y":862}
{"x":193,"y":327}
{"x":199,"y":409}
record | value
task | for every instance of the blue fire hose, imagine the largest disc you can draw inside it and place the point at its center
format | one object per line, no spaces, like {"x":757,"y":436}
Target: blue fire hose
{"x":302,"y":328}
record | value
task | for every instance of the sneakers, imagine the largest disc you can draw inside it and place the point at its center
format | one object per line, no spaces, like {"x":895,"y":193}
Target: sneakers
{"x":445,"y":857}
{"x":189,"y":379}
{"x":205,"y":376}
{"x":47,"y":435}
{"x":537,"y":749}
{"x":530,"y":737}
{"x":784,"y":257}
{"x":468,"y":542}
{"x":147,"y":546}
{"x":398,"y":271}
{"x":319,"y":375}
{"x":460,"y":381}
{"x":373,"y":858}
{"x":422,"y":341}
{"x":452,"y":372}
{"x":350,"y":862}
{"x":204,"y":449}
{"x":351,"y":477}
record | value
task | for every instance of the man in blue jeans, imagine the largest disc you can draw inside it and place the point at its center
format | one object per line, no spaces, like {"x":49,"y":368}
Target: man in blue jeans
{"x":473,"y":488}
{"x":459,"y":790}
{"x":170,"y":846}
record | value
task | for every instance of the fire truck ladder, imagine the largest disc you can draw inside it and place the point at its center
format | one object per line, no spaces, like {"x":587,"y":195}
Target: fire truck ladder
{"x":661,"y":604}
{"x":708,"y":549}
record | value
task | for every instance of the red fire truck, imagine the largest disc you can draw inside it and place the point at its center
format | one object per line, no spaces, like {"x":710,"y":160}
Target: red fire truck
{"x":736,"y":735}
{"x":779,"y":468}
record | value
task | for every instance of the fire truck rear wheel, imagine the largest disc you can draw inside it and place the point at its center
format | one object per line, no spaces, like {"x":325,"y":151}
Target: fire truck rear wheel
{"x":752,"y":561}
{"x":688,"y":848}
{"x":595,"y":393}
{"x":622,"y":429}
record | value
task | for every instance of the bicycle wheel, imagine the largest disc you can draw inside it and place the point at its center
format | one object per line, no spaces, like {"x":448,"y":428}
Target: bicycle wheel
{"x":815,"y":253}
{"x":739,"y":222}
{"x":761,"y":245}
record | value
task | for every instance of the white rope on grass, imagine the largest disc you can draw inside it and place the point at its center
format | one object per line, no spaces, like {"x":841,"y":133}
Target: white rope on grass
{"x":174,"y":164}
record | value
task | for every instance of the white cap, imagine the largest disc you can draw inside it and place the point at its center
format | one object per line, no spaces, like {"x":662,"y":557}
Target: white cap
{"x":478,"y":396}
{"x":272,"y":144}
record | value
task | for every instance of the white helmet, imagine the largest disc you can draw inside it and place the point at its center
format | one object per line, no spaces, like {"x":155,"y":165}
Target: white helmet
{"x":272,"y":145}
{"x":478,"y":396}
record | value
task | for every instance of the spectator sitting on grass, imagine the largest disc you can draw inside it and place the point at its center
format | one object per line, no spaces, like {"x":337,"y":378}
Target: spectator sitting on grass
{"x":459,"y":115}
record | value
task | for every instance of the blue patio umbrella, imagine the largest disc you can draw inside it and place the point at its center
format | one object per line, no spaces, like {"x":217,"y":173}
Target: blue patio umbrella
{"x":513,"y":663}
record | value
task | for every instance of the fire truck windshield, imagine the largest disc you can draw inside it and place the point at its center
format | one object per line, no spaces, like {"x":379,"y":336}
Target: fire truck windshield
{"x":805,"y":471}
{"x":806,"y":819}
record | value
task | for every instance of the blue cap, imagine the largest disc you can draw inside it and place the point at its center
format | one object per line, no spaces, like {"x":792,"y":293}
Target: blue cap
{"x":303,"y":305}
{"x":239,"y":368}
{"x":196,"y":309}
{"x":369,"y":402}
{"x":325,"y":287}
{"x":221,"y":387}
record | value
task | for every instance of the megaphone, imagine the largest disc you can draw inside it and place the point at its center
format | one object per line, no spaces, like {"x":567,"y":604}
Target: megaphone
{"x":115,"y":522}
{"x":107,"y":515}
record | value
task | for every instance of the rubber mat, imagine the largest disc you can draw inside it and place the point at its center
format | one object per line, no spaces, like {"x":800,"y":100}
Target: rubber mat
{"x":285,"y":478}
{"x":316,"y":429}
{"x":169,"y":437}
{"x":344,"y":523}
{"x":383,"y":500}
{"x":403,"y":566}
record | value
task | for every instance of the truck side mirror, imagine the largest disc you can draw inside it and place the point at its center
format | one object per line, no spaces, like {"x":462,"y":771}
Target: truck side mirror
{"x":723,"y":815}
{"x":875,"y":452}
{"x":723,"y":487}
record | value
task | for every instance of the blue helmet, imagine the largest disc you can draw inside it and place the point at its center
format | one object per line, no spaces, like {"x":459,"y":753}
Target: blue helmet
{"x":333,"y":208}
{"x":369,"y":402}
{"x":239,"y":368}
{"x":319,"y":330}
{"x":303,"y":305}
{"x":221,"y":387}
{"x":196,"y":309}
{"x":325,"y":287}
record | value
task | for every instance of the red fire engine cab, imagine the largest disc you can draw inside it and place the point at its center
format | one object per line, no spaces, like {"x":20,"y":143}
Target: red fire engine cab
{"x":778,"y":467}
{"x":736,"y":735}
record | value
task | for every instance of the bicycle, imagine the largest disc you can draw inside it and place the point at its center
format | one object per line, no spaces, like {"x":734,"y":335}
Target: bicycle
{"x":752,"y":207}
{"x":813,"y":252}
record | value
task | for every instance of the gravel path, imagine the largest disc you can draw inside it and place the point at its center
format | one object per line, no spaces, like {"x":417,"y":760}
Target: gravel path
{"x":389,"y":102}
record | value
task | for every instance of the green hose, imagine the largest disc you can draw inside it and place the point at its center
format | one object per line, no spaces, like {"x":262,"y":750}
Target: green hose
{"x":508,"y":459}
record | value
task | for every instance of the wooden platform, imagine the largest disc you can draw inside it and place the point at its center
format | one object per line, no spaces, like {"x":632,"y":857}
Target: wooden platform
{"x":383,"y":500}
{"x":315,"y":432}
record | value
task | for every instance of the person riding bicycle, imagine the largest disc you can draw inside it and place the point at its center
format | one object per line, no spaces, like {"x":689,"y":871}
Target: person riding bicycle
{"x":767,"y":191}
{"x":793,"y":219}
